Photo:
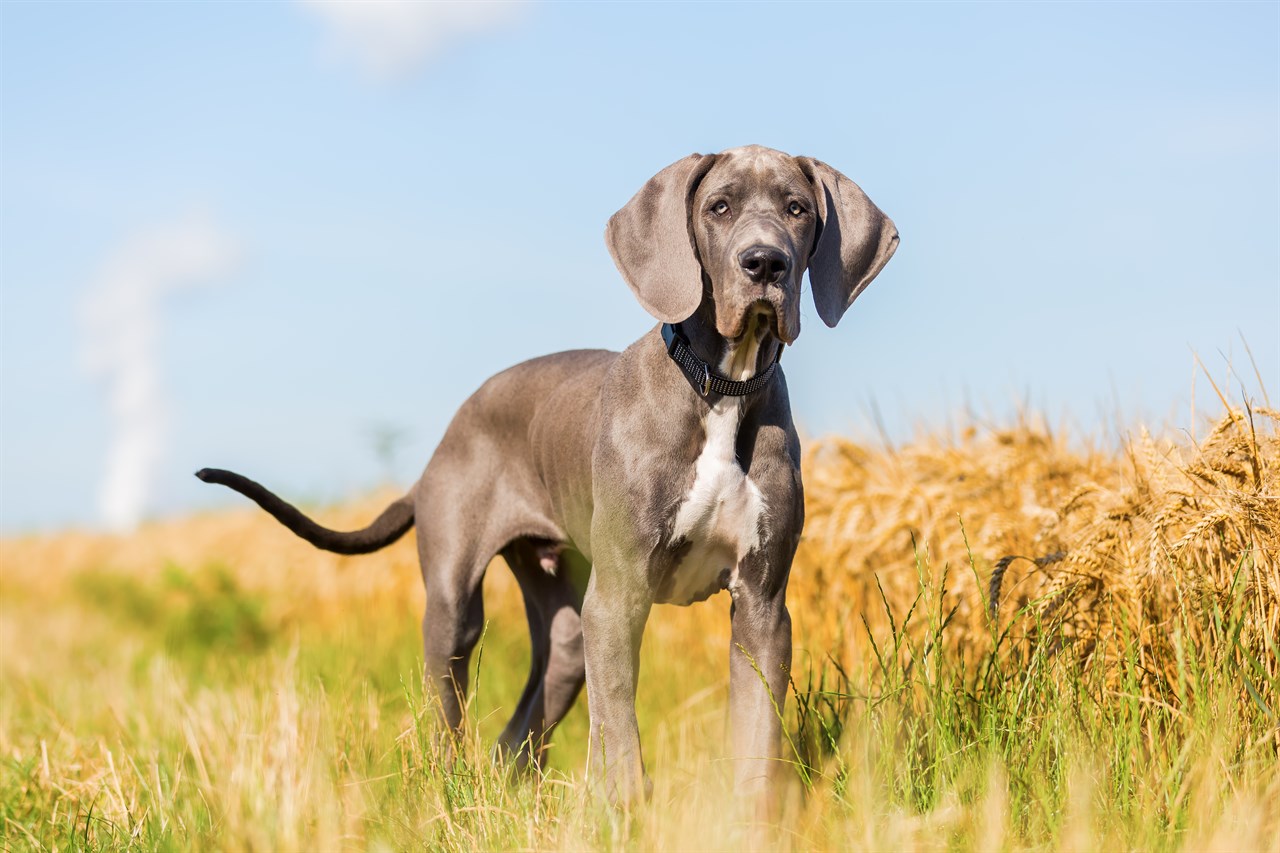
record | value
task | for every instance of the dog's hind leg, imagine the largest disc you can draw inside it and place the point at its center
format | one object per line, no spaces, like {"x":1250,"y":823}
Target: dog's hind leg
{"x":557,"y":673}
{"x":453,"y":620}
{"x":514,"y":741}
{"x":566,"y":672}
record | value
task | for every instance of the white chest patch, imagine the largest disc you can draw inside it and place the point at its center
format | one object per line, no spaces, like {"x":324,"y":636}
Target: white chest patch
{"x":721,"y":517}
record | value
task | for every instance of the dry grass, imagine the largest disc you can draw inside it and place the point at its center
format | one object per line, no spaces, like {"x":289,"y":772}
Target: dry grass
{"x":212,"y":682}
{"x":1089,"y":548}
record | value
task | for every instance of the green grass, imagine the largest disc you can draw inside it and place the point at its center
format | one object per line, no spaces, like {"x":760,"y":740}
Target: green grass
{"x":179,"y":709}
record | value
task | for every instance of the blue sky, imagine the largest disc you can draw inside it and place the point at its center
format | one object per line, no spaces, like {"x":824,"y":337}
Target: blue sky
{"x":1087,"y":193}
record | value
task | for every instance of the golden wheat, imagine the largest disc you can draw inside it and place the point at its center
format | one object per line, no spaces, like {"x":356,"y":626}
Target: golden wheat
{"x":1114,"y":543}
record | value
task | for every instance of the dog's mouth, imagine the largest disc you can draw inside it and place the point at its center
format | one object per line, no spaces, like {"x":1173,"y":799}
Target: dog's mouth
{"x":760,"y":317}
{"x":740,"y":359}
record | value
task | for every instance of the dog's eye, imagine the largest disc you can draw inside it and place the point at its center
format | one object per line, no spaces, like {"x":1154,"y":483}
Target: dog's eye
{"x":796,"y":208}
{"x":720,"y":208}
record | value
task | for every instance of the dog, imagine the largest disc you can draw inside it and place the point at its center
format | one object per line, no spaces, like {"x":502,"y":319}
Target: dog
{"x":610,"y":482}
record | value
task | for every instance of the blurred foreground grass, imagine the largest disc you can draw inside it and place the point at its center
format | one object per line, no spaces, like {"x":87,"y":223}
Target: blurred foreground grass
{"x":212,"y":682}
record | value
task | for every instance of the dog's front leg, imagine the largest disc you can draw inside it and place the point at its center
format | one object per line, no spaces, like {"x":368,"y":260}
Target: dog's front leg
{"x":614,"y":613}
{"x":759,"y":667}
{"x":760,"y":648}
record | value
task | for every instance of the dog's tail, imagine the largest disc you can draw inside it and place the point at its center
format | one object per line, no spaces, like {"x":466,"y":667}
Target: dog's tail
{"x":394,"y":522}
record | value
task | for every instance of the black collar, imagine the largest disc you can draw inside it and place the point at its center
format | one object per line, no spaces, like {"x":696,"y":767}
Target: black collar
{"x":706,"y":381}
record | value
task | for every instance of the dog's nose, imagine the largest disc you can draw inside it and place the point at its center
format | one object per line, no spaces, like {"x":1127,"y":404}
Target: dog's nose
{"x":764,"y":265}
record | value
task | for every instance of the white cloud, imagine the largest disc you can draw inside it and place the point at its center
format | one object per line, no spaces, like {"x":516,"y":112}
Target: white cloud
{"x":391,"y":38}
{"x":121,"y":315}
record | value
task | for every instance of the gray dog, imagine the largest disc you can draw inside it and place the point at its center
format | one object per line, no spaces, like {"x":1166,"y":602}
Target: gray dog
{"x":662,"y":474}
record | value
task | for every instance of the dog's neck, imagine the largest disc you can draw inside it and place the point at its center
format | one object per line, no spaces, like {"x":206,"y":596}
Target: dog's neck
{"x":733,"y":358}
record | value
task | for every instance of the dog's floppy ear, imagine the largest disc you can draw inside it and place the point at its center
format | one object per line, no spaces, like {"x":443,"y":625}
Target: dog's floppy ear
{"x":652,"y":244}
{"x":854,"y":243}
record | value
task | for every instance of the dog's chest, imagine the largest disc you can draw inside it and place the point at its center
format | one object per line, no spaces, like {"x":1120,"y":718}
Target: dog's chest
{"x":719,"y":521}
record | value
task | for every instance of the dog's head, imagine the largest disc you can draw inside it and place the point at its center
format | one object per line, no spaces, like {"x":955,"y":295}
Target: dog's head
{"x":739,"y":229}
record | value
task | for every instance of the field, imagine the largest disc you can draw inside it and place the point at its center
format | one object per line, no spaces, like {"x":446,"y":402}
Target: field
{"x":211,"y":682}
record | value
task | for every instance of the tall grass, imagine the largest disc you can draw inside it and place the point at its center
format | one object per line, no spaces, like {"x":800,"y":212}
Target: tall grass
{"x":210,"y":682}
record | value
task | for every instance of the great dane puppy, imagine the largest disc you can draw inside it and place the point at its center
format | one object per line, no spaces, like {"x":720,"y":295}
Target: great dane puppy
{"x":610,"y":482}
